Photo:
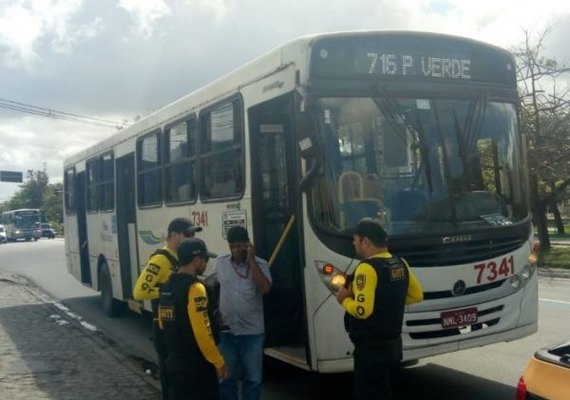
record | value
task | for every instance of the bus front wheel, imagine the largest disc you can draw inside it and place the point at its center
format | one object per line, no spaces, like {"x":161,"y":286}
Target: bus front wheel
{"x":111,"y":306}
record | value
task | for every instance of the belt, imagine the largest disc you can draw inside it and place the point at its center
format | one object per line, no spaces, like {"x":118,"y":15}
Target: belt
{"x":225,"y":328}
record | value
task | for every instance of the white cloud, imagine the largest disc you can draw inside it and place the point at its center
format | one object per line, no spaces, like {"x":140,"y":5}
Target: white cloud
{"x":218,"y":7}
{"x":30,"y":143}
{"x":146,"y":13}
{"x":125,"y":57}
{"x":19,"y":29}
{"x":25,"y":25}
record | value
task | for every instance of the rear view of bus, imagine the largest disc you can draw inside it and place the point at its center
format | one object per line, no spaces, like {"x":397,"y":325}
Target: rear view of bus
{"x":421,"y":131}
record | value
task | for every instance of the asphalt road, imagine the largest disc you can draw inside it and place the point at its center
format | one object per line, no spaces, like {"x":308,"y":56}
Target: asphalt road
{"x":477,"y":374}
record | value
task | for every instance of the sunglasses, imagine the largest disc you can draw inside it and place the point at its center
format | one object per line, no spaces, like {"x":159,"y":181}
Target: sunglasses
{"x":206,"y":258}
{"x":188,"y":234}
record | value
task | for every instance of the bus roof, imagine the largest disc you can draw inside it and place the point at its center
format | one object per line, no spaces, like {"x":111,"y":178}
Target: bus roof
{"x":295,"y":52}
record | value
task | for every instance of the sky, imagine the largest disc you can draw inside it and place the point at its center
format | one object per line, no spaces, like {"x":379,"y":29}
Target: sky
{"x":116,"y":60}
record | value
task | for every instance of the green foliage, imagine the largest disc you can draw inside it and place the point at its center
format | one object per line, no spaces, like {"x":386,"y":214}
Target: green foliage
{"x":555,"y":257}
{"x":545,"y":121}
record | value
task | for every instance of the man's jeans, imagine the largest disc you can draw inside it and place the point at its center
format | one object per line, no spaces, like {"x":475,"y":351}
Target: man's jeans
{"x":244,"y":357}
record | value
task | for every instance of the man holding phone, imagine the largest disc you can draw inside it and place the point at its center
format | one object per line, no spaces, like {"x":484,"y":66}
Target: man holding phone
{"x":244,"y":279}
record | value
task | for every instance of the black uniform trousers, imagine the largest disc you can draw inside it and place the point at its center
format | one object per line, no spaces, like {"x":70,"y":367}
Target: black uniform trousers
{"x":376,"y":369}
{"x":191,"y":379}
{"x":162,"y":353}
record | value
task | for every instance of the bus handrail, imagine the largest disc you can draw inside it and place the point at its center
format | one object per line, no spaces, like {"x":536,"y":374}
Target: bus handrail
{"x":279,"y":244}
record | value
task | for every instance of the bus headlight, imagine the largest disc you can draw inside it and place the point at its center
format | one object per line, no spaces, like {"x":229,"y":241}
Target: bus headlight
{"x":332,"y":277}
{"x":515,"y":281}
{"x":526,"y":272}
{"x":522,"y":277}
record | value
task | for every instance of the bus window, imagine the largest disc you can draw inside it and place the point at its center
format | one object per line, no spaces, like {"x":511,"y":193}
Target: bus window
{"x":180,"y":162}
{"x":222,"y":152}
{"x":149,"y":171}
{"x":106,"y":183}
{"x":69,"y":183}
{"x":92,"y":187}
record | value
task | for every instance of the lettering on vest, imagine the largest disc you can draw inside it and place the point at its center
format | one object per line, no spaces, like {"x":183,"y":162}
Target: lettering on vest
{"x":397,"y":273}
{"x":166,"y":313}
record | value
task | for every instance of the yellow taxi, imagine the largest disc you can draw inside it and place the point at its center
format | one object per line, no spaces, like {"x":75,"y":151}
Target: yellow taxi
{"x":547,"y":375}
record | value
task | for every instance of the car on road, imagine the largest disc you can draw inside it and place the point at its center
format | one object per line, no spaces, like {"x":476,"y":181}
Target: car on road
{"x":547,"y":375}
{"x":3,"y":238}
{"x":47,"y":230}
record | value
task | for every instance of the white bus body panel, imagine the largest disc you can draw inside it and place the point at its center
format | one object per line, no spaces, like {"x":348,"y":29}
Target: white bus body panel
{"x":331,"y":349}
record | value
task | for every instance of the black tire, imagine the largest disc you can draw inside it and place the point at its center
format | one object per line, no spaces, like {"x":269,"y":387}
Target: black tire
{"x":111,"y":306}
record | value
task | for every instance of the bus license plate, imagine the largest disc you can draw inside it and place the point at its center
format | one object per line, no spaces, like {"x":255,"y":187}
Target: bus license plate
{"x":453,"y":319}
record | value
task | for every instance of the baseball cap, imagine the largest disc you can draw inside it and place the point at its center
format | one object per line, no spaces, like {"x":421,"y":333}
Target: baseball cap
{"x":371,"y":228}
{"x":183,"y":225}
{"x":193,"y":247}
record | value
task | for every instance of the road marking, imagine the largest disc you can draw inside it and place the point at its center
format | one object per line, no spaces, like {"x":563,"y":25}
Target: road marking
{"x":555,"y":301}
{"x":76,"y":317}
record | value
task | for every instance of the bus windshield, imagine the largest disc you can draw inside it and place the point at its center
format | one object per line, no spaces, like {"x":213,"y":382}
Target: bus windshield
{"x":26,"y":219}
{"x":419,"y":164}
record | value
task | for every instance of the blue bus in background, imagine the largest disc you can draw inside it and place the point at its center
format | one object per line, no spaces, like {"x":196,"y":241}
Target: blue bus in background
{"x":22,"y":224}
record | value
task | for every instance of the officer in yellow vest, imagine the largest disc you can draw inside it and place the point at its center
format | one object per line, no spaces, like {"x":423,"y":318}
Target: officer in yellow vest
{"x":374,"y":303}
{"x":158,"y":268}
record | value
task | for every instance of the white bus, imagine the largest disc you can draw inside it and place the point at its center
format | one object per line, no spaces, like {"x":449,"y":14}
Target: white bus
{"x":22,"y":224}
{"x":418,"y":129}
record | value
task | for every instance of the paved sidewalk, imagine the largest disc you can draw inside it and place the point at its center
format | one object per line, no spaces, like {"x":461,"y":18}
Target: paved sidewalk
{"x":48,"y":353}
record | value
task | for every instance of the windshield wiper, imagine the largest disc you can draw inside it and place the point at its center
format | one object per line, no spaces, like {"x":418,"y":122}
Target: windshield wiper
{"x":445,"y":160}
{"x":391,"y":108}
{"x":424,"y":154}
{"x":473,"y":124}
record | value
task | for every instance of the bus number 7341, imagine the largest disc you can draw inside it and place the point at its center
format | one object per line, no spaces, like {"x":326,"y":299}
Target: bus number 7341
{"x":505,"y":268}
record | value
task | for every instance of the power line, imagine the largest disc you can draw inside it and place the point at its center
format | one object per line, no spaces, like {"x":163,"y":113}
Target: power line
{"x":50,"y":113}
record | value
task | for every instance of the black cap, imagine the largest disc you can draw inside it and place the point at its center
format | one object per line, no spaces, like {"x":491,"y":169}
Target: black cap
{"x":191,"y":248}
{"x":182,"y":225}
{"x":371,"y":228}
{"x":237,"y":234}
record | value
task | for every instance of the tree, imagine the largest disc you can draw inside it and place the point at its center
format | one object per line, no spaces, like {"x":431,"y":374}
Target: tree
{"x":545,"y":120}
{"x":52,"y":210}
{"x":31,"y":192}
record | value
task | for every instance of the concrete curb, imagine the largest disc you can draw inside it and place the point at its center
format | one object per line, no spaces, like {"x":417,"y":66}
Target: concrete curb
{"x":554,"y":272}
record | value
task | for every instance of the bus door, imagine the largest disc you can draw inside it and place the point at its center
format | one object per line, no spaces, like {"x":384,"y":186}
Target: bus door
{"x":273,"y":194}
{"x":82,"y":229}
{"x":126,"y":219}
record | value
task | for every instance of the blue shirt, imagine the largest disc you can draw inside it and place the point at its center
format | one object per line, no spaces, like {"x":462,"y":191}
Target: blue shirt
{"x":241,"y":302}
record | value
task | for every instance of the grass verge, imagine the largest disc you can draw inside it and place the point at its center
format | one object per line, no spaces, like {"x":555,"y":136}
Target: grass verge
{"x":556,"y":257}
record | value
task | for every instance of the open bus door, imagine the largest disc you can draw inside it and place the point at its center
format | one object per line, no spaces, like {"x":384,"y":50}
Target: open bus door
{"x":126,"y":222}
{"x":82,"y":230}
{"x":274,"y":189}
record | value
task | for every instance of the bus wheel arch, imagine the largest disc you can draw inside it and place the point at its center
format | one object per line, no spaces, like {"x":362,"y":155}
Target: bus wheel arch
{"x":111,"y":306}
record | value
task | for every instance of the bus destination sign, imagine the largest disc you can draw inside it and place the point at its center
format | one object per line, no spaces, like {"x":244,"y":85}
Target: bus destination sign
{"x":417,"y":57}
{"x":376,"y":63}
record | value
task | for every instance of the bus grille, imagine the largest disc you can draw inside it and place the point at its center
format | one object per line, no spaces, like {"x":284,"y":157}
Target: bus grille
{"x":431,"y":255}
{"x":444,"y":294}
